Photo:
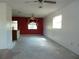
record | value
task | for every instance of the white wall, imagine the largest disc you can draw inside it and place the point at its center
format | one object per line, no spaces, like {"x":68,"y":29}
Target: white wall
{"x":68,"y":36}
{"x":5,"y":28}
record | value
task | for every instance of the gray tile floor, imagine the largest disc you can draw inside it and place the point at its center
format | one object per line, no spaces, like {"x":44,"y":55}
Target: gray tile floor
{"x":38,"y":47}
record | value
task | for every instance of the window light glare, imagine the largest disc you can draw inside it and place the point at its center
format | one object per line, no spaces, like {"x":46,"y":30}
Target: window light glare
{"x":15,"y":25}
{"x":57,"y":22}
{"x":32,"y":25}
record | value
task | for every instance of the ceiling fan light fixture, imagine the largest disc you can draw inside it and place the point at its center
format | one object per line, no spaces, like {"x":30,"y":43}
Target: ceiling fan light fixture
{"x":40,"y":6}
{"x":32,"y":18}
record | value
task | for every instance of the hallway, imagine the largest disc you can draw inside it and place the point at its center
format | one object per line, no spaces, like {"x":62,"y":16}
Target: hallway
{"x":39,"y":47}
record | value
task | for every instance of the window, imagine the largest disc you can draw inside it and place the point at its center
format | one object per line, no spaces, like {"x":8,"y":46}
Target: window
{"x":57,"y":22}
{"x":15,"y":25}
{"x":32,"y":25}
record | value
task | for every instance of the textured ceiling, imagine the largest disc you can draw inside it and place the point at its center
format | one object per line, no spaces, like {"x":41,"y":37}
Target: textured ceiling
{"x":21,"y":8}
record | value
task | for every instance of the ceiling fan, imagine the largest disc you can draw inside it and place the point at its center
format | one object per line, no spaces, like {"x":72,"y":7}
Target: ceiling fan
{"x":42,"y":1}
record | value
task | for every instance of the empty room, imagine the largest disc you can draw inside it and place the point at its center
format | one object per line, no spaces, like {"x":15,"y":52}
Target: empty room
{"x":39,"y":29}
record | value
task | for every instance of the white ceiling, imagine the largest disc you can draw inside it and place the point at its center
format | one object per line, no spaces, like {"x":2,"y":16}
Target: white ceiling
{"x":20,"y":8}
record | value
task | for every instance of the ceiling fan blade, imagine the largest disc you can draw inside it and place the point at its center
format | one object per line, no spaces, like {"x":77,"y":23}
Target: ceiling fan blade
{"x":53,"y":2}
{"x":30,"y":1}
{"x":35,"y":1}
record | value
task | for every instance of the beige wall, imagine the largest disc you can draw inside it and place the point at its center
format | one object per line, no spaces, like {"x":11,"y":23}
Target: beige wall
{"x":68,"y":36}
{"x":5,"y":27}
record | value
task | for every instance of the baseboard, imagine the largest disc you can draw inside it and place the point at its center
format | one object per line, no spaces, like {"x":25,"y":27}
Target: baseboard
{"x":61,"y":45}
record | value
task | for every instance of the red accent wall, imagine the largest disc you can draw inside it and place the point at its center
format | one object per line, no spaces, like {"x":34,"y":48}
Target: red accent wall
{"x":23,"y":25}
